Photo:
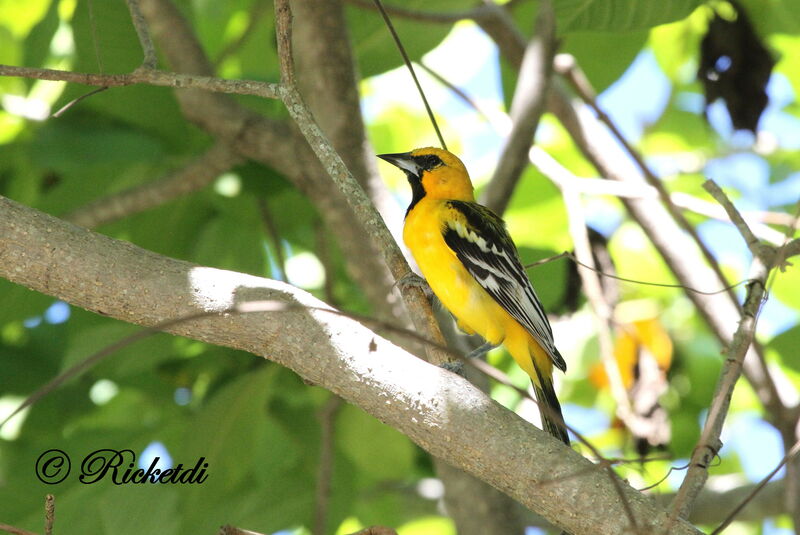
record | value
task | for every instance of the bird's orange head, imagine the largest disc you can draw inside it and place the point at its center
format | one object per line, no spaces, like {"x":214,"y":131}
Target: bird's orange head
{"x":434,"y":174}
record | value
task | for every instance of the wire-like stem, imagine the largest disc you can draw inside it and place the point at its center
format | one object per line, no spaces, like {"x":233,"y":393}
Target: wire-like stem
{"x":410,"y":67}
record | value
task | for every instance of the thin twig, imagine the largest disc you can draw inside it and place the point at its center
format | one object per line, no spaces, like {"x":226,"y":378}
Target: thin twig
{"x":149,"y":50}
{"x":549,"y":167}
{"x":410,"y":68}
{"x":790,"y":423}
{"x":594,"y":293}
{"x":657,"y":483}
{"x":49,"y":514}
{"x":152,"y":77}
{"x":684,"y":201}
{"x":733,"y":214}
{"x":756,"y":219}
{"x":480,"y":12}
{"x":375,"y":530}
{"x":460,"y":93}
{"x":66,"y":107}
{"x":16,"y":531}
{"x":231,"y":530}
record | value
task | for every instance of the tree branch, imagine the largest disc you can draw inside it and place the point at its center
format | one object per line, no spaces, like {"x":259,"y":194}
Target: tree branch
{"x":417,"y":303}
{"x":16,"y":531}
{"x":709,"y":444}
{"x":275,"y":144}
{"x":712,"y":506}
{"x":429,"y":404}
{"x":590,"y":279}
{"x":328,"y":82}
{"x":736,"y":218}
{"x":720,"y":312}
{"x":146,"y":76}
{"x":567,"y":66}
{"x":526,"y":109}
{"x":678,"y":250}
{"x":150,"y":60}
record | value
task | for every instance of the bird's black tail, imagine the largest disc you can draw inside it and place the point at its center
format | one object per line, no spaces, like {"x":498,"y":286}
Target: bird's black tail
{"x":549,"y":407}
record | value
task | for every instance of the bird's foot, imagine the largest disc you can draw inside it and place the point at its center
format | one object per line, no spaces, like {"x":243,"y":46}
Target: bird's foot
{"x":412,"y":280}
{"x":455,"y":366}
{"x":480,"y":351}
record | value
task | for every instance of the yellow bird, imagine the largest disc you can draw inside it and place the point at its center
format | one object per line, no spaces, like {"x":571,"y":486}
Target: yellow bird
{"x":470,"y":262}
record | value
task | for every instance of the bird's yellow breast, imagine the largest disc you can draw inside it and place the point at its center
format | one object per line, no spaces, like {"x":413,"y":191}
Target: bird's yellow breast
{"x":458,"y":291}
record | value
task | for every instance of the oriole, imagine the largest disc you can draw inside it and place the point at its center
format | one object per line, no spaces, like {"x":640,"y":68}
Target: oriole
{"x":470,"y":262}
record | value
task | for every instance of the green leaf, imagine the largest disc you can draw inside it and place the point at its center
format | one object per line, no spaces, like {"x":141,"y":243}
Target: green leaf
{"x":233,"y":432}
{"x":20,"y":17}
{"x":24,"y":369}
{"x":786,"y":344}
{"x":374,"y":47}
{"x":786,"y":286}
{"x":619,"y":15}
{"x":9,"y":48}
{"x":431,"y":524}
{"x":256,"y":471}
{"x":107,"y":43}
{"x":128,"y":509}
{"x":604,"y":56}
{"x":97,"y":144}
{"x":82,"y":156}
{"x":139,"y":357}
{"x":234,"y":239}
{"x":775,"y":16}
{"x":37,"y":43}
{"x":788,"y":62}
{"x":676,"y":45}
{"x":20,"y":303}
{"x":548,"y":279}
{"x":678,"y":131}
{"x":184,"y":217}
{"x":536,"y":215}
{"x":378,"y":451}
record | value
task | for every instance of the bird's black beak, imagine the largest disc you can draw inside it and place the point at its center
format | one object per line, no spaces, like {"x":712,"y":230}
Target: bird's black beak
{"x":405,"y":161}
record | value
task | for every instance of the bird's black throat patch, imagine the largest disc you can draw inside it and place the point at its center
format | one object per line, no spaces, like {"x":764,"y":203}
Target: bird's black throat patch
{"x":417,"y":190}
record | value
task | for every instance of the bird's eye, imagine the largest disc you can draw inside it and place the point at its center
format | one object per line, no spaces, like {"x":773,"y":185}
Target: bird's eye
{"x":431,"y":161}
